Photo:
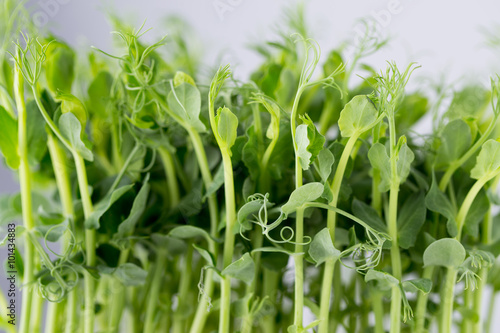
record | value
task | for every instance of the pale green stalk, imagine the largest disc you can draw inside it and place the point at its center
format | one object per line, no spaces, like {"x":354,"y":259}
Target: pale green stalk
{"x":59,"y":164}
{"x":27,"y":209}
{"x":224,"y":319}
{"x":451,"y":274}
{"x":179,"y":322}
{"x":326,"y":285}
{"x":150,"y":322}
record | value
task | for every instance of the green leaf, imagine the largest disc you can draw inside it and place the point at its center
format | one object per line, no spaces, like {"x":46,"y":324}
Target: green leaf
{"x":385,"y":281}
{"x":302,"y":143}
{"x":413,"y":286}
{"x":102,"y":206}
{"x":37,"y":135}
{"x":488,"y":160}
{"x":227,"y":127}
{"x":71,"y":104}
{"x":251,"y":207}
{"x":209,"y":257}
{"x":456,"y":138}
{"x":325,"y":163}
{"x":185,"y":102}
{"x":8,"y":139}
{"x":410,"y":219}
{"x":59,"y":67}
{"x":189,"y":231}
{"x":321,"y":248}
{"x":303,"y":194}
{"x":438,"y":202}
{"x":126,"y":228}
{"x":316,"y":140}
{"x":358,"y":116}
{"x":242,"y":269}
{"x":130,"y":275}
{"x":99,"y":93}
{"x":446,"y":252}
{"x":404,"y":159}
{"x":368,"y":214}
{"x":72,"y":130}
{"x":380,"y":161}
{"x":173,"y":246}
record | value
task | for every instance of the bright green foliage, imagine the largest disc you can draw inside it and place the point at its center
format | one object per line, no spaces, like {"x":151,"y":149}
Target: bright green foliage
{"x":8,"y":139}
{"x":488,"y":160}
{"x":60,"y":67}
{"x":165,"y":199}
{"x":358,"y":116}
{"x":446,"y":252}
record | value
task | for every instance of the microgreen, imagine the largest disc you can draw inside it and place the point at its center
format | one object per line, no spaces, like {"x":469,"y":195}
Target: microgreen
{"x":154,"y":199}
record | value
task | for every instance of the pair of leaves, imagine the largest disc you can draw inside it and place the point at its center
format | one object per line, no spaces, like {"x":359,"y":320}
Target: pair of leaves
{"x":380,"y":161}
{"x":227,"y":128}
{"x":309,"y":142}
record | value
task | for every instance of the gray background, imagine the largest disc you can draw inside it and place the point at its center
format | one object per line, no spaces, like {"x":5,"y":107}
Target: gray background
{"x":443,"y":36}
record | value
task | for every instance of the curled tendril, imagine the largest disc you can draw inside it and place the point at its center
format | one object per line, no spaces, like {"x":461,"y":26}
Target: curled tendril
{"x":71,"y":243}
{"x":60,"y":285}
{"x":261,"y":219}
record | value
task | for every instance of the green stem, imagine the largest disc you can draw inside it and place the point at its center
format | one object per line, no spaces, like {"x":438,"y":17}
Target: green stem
{"x":36,"y":311}
{"x":179,"y":323}
{"x":491,"y":307}
{"x":326,"y":285}
{"x":149,"y":322}
{"x":378,"y":310}
{"x":269,"y":289}
{"x":478,"y":326}
{"x":421,"y":310}
{"x":447,"y":300}
{"x":395,"y":260}
{"x":392,"y":224}
{"x":59,"y":164}
{"x":90,"y":244}
{"x":466,"y":324}
{"x":338,"y":291}
{"x":26,"y":204}
{"x":168,"y":164}
{"x":224,"y":324}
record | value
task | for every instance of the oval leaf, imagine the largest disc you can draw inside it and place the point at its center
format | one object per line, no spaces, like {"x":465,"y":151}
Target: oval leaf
{"x":446,"y":252}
